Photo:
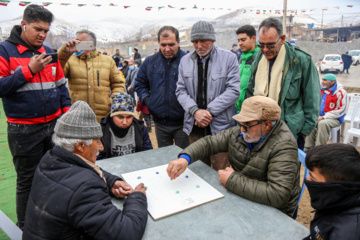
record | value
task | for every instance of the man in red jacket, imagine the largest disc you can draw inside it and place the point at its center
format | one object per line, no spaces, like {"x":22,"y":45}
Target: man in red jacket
{"x":34,"y":95}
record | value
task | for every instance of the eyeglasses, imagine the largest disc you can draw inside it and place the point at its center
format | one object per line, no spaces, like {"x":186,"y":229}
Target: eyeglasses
{"x":247,"y":127}
{"x":269,"y":46}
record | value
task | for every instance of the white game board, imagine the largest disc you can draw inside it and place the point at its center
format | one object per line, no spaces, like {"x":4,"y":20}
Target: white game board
{"x":166,"y":197}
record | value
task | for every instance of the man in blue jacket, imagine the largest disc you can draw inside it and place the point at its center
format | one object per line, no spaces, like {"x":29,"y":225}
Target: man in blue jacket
{"x":155,"y":85}
{"x":34,"y":95}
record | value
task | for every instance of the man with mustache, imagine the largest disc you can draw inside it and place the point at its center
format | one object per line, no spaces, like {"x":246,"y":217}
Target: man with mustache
{"x":262,"y":152}
{"x":288,"y":75}
{"x":208,"y":87}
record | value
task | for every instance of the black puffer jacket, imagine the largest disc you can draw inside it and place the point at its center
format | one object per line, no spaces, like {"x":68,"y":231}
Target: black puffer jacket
{"x":69,"y":200}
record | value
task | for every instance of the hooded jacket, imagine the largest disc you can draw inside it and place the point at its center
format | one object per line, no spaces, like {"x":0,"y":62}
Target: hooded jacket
{"x":93,"y":78}
{"x":28,"y":98}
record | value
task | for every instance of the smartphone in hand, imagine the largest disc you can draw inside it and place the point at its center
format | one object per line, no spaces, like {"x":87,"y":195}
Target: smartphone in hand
{"x":85,"y":45}
{"x":54,"y":57}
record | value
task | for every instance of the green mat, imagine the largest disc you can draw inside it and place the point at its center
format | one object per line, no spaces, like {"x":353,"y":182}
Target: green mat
{"x":7,"y":174}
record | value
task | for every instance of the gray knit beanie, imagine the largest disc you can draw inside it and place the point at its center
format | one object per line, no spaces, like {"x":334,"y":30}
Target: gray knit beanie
{"x":202,"y":31}
{"x":78,"y":123}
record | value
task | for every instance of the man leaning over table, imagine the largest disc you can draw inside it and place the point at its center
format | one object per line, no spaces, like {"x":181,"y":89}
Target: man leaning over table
{"x":263,"y":155}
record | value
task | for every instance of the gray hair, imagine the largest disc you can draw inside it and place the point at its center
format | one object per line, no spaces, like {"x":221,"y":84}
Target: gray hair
{"x":272,"y":22}
{"x":69,"y":143}
{"x":91,"y":35}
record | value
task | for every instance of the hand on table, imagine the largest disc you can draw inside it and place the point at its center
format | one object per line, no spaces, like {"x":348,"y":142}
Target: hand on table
{"x":140,"y":188}
{"x":224,"y":175}
{"x":121,"y":189}
{"x":177,"y":167}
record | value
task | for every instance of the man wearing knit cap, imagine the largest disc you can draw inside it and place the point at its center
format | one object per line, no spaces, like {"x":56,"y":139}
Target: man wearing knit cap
{"x":122,"y":133}
{"x":70,"y":197}
{"x":262,"y":152}
{"x":333,"y":107}
{"x":208,"y":87}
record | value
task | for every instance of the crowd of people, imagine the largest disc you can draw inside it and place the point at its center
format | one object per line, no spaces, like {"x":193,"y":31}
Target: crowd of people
{"x":244,"y":113}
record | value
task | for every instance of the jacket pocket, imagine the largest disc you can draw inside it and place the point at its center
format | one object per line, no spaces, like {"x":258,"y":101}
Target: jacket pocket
{"x":217,"y":85}
{"x":295,"y":121}
{"x":294,"y":87}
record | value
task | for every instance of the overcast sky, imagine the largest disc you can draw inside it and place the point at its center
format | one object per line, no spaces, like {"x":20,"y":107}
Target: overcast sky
{"x":137,"y":10}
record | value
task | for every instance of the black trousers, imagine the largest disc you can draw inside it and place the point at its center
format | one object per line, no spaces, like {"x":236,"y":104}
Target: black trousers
{"x":27,"y":143}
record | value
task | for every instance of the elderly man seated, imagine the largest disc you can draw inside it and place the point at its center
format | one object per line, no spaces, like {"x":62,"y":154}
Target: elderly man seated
{"x":70,"y":196}
{"x":262,"y":152}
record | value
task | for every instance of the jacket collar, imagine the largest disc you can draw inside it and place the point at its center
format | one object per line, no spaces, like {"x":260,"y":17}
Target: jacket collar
{"x":172,"y":59}
{"x":331,"y":90}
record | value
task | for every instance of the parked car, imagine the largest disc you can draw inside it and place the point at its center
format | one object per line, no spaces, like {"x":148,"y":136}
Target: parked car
{"x":355,"y":54}
{"x":331,"y":63}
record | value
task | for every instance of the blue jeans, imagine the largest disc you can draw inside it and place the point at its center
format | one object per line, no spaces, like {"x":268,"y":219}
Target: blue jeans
{"x":167,"y":135}
{"x":28,"y":143}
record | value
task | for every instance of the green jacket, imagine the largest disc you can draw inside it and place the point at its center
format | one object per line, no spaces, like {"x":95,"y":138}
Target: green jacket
{"x":267,"y":174}
{"x":245,"y":71}
{"x":300,"y":90}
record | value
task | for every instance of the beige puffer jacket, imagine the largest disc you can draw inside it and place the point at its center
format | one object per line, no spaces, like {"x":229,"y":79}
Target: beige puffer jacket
{"x":93,"y":79}
{"x":267,"y":174}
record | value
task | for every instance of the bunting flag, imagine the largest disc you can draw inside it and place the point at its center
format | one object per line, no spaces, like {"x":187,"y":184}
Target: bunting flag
{"x":170,"y":6}
{"x":97,"y":5}
{"x":45,"y":4}
{"x":112,"y":5}
{"x":337,"y":7}
{"x":65,"y":4}
{"x":303,"y":10}
{"x":126,"y":7}
{"x":148,"y":8}
{"x":277,"y":12}
{"x":264,"y":11}
{"x":81,"y":5}
{"x":350,"y":6}
{"x":159,"y":8}
{"x":23,"y":4}
{"x":324,"y":9}
{"x":195,"y":7}
{"x":313,"y":9}
{"x":182,"y":8}
{"x":257,"y":11}
{"x":4,"y":2}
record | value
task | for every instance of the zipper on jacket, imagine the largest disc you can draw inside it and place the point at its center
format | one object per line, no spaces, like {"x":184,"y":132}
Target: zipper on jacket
{"x":44,"y":102}
{"x":98,"y":73}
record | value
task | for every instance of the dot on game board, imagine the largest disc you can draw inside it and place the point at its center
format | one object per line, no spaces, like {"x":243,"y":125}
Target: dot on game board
{"x":138,"y":177}
{"x":197,"y":186}
{"x":177,"y":192}
{"x":157,"y":172}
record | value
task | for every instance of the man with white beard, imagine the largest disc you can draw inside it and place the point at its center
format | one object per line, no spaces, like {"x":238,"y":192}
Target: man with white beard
{"x":263,"y":156}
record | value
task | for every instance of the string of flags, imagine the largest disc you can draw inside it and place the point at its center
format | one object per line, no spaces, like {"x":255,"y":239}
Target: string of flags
{"x":158,"y":8}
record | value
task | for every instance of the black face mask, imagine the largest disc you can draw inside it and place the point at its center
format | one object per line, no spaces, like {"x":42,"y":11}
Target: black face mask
{"x":333,"y":195}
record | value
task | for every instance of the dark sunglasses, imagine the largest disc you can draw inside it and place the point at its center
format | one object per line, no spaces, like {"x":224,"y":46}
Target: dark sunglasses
{"x":269,"y":46}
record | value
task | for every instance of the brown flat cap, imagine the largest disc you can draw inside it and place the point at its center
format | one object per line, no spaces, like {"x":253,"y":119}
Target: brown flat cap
{"x":258,"y":108}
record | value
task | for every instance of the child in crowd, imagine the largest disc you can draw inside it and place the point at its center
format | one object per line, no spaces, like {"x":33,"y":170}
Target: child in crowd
{"x":122,"y":133}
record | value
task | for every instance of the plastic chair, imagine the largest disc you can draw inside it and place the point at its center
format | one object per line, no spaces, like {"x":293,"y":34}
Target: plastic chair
{"x":335,"y":134}
{"x":353,"y":99}
{"x":354,"y":130}
{"x":302,"y":157}
{"x":9,"y":228}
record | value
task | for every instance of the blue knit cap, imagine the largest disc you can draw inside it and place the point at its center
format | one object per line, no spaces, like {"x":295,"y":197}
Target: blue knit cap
{"x":329,"y":77}
{"x":122,"y":103}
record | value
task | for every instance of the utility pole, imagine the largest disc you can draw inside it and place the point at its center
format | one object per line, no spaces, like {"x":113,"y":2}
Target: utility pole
{"x":284,"y":17}
{"x":342,"y":20}
{"x":322,"y":18}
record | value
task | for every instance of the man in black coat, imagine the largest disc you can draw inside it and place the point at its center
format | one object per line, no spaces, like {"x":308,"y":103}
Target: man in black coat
{"x":70,"y":196}
{"x":347,"y":59}
{"x":334,"y":188}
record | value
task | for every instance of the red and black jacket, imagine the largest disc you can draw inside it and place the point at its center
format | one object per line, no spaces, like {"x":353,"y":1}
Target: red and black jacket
{"x":29,"y":99}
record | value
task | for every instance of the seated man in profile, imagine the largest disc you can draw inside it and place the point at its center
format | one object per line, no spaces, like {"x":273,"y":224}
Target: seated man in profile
{"x":262,"y":152}
{"x":70,"y":195}
{"x":334,"y":188}
{"x":122,"y":133}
